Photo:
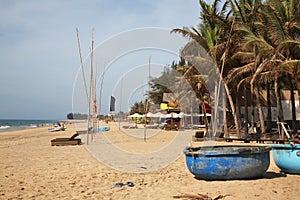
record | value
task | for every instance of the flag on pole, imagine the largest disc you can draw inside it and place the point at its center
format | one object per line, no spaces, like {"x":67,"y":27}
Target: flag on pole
{"x":112,"y":104}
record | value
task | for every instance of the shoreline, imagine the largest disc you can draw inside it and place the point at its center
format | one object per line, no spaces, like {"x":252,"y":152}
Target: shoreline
{"x":30,"y":168}
{"x":45,"y":123}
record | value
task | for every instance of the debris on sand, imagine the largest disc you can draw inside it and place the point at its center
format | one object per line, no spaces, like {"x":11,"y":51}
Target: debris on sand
{"x":198,"y":197}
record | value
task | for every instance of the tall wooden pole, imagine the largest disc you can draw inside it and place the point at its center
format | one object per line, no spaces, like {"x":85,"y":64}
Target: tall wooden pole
{"x":147,"y":101}
{"x":81,"y":64}
{"x":101,"y":89}
{"x":84,"y":81}
{"x":120,"y":103}
{"x":91,"y":86}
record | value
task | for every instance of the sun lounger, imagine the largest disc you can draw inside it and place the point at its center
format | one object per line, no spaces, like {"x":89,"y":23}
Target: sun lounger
{"x":66,"y":141}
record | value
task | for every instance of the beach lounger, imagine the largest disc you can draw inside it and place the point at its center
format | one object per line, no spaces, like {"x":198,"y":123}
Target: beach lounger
{"x":66,"y":141}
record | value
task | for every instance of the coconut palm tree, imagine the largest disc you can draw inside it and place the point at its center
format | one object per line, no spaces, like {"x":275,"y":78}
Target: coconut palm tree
{"x":272,"y":28}
{"x":212,"y":36}
{"x":246,"y":13}
{"x":284,"y":31}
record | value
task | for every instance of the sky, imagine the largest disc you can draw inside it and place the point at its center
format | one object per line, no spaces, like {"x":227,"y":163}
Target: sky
{"x":39,"y":59}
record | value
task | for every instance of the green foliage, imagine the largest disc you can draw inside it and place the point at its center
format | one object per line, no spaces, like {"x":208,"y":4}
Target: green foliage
{"x":70,"y":116}
{"x":164,"y":83}
{"x":138,"y":107}
{"x":76,"y":116}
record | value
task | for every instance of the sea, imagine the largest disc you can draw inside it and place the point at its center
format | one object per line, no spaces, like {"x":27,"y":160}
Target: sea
{"x":17,"y":124}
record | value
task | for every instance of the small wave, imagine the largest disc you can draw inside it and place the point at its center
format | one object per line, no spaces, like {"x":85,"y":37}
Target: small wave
{"x":4,"y":127}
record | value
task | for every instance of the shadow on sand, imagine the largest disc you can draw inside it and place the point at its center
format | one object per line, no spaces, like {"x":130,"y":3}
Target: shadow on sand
{"x":267,"y":175}
{"x":271,"y":175}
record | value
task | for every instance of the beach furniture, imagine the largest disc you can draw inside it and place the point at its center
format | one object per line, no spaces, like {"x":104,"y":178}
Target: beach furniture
{"x":227,"y":162}
{"x":287,"y":157}
{"x":66,"y":141}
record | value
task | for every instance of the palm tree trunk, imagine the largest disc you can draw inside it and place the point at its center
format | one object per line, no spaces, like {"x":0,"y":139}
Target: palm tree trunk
{"x":246,"y":110}
{"x":238,"y":107}
{"x":229,"y":96}
{"x":292,"y":98}
{"x":237,"y":127}
{"x":260,"y":111}
{"x":278,"y":100}
{"x":226,"y":133}
{"x":299,"y":96}
{"x":294,"y":120}
{"x":252,"y":111}
{"x":269,"y":115}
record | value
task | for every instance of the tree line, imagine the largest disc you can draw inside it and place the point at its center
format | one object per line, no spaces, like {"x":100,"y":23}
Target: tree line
{"x":253,"y":45}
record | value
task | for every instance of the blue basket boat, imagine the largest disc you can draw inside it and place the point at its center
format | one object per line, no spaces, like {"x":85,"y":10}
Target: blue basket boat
{"x":287,"y":157}
{"x":228,"y":162}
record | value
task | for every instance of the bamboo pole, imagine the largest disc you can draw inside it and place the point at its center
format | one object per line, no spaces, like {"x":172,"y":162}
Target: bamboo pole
{"x":120,"y":103}
{"x":84,"y":79}
{"x":101,"y":89}
{"x":81,"y":64}
{"x":220,"y":73}
{"x":147,"y":101}
{"x":90,"y":89}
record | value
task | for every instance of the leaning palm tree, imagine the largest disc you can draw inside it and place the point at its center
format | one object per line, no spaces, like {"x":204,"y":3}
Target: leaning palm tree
{"x":197,"y":85}
{"x":248,"y":27}
{"x":213,"y":38}
{"x":284,"y":32}
{"x":274,"y":41}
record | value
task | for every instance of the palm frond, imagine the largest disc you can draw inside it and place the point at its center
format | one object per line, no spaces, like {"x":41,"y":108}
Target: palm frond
{"x":244,"y":81}
{"x":239,"y":72}
{"x":243,"y":55}
{"x":192,"y":35}
{"x":274,"y":25}
{"x":288,"y":44}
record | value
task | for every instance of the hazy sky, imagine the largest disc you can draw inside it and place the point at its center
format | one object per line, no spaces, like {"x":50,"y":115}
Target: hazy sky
{"x":39,"y":57}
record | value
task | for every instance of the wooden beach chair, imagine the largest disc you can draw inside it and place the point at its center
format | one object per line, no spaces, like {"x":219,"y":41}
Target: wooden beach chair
{"x":66,"y":141}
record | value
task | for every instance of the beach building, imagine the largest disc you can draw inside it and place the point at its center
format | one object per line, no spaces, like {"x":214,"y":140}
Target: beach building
{"x":285,"y":101}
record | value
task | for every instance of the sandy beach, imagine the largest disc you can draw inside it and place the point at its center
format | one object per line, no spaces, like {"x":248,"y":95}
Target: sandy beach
{"x":30,"y":168}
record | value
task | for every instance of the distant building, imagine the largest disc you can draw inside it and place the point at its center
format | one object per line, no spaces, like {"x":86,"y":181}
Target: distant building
{"x":285,"y":101}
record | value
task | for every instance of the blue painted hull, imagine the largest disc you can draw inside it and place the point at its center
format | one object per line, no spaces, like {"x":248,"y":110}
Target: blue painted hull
{"x":228,"y":162}
{"x":287,"y":157}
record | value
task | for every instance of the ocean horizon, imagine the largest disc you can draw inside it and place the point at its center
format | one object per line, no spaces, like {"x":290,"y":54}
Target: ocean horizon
{"x":19,"y":124}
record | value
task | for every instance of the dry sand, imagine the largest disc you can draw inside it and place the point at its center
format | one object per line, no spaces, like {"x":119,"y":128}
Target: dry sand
{"x":30,"y":168}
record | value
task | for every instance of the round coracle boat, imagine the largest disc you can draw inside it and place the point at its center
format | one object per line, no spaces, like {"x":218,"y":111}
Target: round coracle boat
{"x":287,"y":157}
{"x":227,"y":162}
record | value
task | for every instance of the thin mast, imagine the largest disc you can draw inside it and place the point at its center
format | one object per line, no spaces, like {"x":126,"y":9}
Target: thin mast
{"x":81,"y":64}
{"x":120,"y":103}
{"x":101,"y":89}
{"x":84,"y":80}
{"x":147,"y":101}
{"x":91,"y":86}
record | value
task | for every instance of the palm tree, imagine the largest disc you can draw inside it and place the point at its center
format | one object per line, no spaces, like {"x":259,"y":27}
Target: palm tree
{"x":212,"y":37}
{"x":263,"y":47}
{"x":246,"y":14}
{"x":284,"y":32}
{"x":270,"y":37}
